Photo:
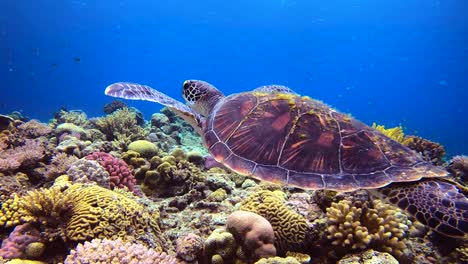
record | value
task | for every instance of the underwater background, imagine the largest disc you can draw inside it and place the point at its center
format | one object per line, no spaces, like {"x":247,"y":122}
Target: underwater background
{"x":390,"y":62}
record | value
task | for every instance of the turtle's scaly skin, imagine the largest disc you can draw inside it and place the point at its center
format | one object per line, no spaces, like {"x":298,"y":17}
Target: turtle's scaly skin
{"x":285,"y":138}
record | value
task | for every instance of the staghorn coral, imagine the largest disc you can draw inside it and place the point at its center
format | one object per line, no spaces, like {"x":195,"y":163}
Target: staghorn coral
{"x":116,"y":251}
{"x":254,"y":233}
{"x":89,"y":171}
{"x":121,"y":127}
{"x":24,"y":242}
{"x":382,"y":227}
{"x":220,"y":247}
{"x":431,"y":151}
{"x":189,"y":247}
{"x":395,"y":133}
{"x":120,"y":174}
{"x":458,"y":166}
{"x":291,"y":229}
{"x":76,"y":212}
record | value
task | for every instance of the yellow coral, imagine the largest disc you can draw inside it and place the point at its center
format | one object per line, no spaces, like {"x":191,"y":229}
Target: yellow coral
{"x":217,"y":196}
{"x":289,"y":227}
{"x":395,"y":133}
{"x":382,"y":227}
{"x":220,"y":246}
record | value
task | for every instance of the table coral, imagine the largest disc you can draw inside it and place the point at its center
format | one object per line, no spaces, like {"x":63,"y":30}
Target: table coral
{"x":120,"y":174}
{"x":116,"y":251}
{"x":382,"y":227}
{"x":254,"y":233}
{"x":291,"y":229}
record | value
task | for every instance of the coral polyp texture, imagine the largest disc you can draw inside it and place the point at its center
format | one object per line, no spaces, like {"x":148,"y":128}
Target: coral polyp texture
{"x":290,"y":228}
{"x":381,"y":227}
{"x":103,"y":251}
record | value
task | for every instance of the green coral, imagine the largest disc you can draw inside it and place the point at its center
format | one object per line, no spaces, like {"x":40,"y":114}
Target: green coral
{"x":145,"y":148}
{"x":220,"y":247}
{"x":290,"y":228}
{"x":121,"y":127}
{"x":217,"y":196}
{"x":382,"y":227}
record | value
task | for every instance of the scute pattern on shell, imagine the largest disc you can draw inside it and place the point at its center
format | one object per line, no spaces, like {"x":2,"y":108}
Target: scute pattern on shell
{"x":295,"y":140}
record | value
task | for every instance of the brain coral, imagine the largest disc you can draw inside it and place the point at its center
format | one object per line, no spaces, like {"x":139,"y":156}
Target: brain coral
{"x":291,"y":229}
{"x":120,"y":174}
{"x":382,"y":227}
{"x":116,"y":251}
{"x":77,"y":212}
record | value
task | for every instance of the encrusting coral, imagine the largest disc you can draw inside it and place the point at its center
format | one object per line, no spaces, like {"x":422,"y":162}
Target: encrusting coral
{"x":254,"y":233}
{"x":101,"y":251}
{"x":291,"y":229}
{"x":78,"y":212}
{"x":382,"y":227}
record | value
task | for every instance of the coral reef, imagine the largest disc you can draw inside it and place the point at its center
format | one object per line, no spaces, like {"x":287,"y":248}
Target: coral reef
{"x":458,"y":166}
{"x":189,"y":247}
{"x":254,"y":233}
{"x":119,"y":173}
{"x":144,"y":147}
{"x":368,"y":257}
{"x":220,"y":247}
{"x":291,"y":229}
{"x":431,"y":151}
{"x":89,"y":171}
{"x":278,"y":260}
{"x":24,"y":242}
{"x":116,"y":251}
{"x":25,"y":155}
{"x":76,"y":117}
{"x":382,"y":227}
{"x":395,"y":133}
{"x":114,"y":106}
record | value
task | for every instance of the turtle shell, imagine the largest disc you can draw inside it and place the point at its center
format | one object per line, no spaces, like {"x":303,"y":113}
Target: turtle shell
{"x":298,"y":141}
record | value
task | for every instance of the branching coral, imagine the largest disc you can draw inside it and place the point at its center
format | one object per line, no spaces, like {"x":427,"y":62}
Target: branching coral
{"x":116,"y":251}
{"x":291,"y":229}
{"x":121,"y":127}
{"x":77,"y":117}
{"x":382,"y":227}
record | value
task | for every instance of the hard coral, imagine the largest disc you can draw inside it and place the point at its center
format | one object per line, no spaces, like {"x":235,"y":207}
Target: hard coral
{"x":144,"y":147}
{"x":220,"y":247}
{"x":26,"y":155}
{"x":458,"y":166}
{"x":189,"y":247}
{"x":114,"y":106}
{"x":431,"y":151}
{"x":291,"y":229}
{"x":254,"y":233}
{"x":382,"y":227}
{"x":395,"y":133}
{"x":116,"y":251}
{"x":24,"y":242}
{"x":278,"y":260}
{"x":120,"y":174}
{"x":89,"y":171}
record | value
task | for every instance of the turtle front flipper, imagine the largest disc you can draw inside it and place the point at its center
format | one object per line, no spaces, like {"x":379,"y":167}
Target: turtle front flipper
{"x":135,"y":91}
{"x":437,"y":204}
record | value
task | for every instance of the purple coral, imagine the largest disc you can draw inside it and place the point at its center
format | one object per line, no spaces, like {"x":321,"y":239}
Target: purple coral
{"x":116,"y":251}
{"x":26,"y":155}
{"x":120,"y":173}
{"x":17,"y":244}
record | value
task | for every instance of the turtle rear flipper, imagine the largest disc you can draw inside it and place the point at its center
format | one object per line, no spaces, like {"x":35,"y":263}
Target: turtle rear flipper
{"x":135,"y":91}
{"x":437,"y":204}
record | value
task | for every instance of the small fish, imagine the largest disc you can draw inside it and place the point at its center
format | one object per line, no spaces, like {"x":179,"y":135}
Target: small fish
{"x":77,"y":59}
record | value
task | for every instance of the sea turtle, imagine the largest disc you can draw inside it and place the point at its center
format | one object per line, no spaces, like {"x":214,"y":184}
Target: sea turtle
{"x":276,"y":135}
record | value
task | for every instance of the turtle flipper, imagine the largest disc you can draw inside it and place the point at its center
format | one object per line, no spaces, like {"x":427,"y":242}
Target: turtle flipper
{"x":437,"y":204}
{"x":135,"y":91}
{"x":272,"y":88}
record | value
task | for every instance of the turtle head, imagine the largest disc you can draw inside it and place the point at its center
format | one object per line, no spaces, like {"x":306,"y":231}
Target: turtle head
{"x":201,"y":96}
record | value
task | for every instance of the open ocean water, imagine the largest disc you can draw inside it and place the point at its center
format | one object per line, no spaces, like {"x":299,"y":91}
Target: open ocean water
{"x":390,"y":62}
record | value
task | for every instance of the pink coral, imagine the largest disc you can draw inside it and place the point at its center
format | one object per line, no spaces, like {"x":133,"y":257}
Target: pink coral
{"x":29,"y":153}
{"x":189,"y":247}
{"x":116,"y":251}
{"x":120,"y":173}
{"x":16,"y":245}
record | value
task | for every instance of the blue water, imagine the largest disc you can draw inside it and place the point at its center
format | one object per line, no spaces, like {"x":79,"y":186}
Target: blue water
{"x":391,"y":62}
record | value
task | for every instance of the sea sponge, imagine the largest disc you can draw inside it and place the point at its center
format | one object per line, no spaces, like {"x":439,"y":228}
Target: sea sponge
{"x":101,"y":251}
{"x":189,"y":247}
{"x":431,"y":151}
{"x":77,"y":212}
{"x":220,"y":247}
{"x":382,"y":227}
{"x":291,"y":229}
{"x":254,"y":233}
{"x":146,"y":148}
